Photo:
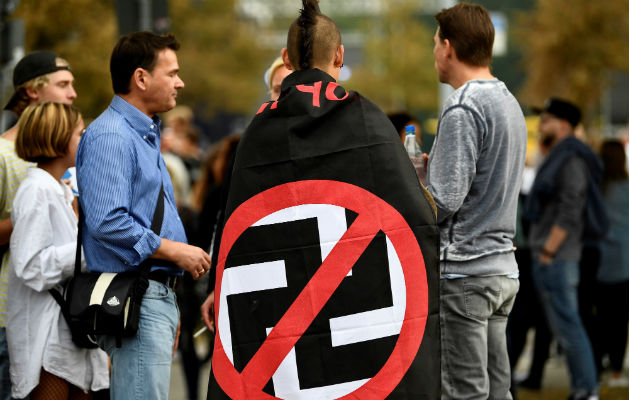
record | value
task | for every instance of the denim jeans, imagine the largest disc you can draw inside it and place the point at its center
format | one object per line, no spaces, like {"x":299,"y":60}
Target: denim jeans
{"x":5,"y":378}
{"x":141,"y":367}
{"x":556,"y":284}
{"x":473,"y":318}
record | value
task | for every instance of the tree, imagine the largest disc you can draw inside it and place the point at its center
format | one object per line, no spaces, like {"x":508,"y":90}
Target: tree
{"x":221,"y":62}
{"x":398,"y":73}
{"x":570,"y":48}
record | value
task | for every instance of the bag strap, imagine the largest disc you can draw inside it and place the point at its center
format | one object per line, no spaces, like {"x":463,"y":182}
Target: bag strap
{"x":156,"y":227}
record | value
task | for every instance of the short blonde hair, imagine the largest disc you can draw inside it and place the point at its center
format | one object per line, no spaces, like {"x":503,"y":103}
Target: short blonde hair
{"x":277,"y":63}
{"x":38,"y":82}
{"x":44,"y":131}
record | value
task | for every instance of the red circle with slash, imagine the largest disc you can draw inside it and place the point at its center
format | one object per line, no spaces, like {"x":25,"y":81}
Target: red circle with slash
{"x":374,"y":215}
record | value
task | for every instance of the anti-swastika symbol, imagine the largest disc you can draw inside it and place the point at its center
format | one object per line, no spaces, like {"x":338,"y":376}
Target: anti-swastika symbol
{"x":374,"y":228}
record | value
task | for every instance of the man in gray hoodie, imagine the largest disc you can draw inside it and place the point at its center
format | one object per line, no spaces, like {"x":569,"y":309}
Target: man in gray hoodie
{"x":474,"y":174}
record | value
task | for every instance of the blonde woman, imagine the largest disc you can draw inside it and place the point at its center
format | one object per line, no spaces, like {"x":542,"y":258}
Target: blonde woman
{"x":45,"y":363}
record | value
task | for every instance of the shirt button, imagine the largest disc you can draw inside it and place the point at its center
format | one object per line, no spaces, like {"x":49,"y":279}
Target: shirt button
{"x":144,"y":137}
{"x":152,"y":126}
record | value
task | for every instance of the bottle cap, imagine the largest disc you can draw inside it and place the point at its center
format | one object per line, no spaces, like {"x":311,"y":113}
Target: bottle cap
{"x":410,"y":130}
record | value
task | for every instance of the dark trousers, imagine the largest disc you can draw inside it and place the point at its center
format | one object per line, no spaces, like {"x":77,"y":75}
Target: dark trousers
{"x":587,"y":290}
{"x":189,"y":303}
{"x":612,"y":324}
{"x":528,"y":313}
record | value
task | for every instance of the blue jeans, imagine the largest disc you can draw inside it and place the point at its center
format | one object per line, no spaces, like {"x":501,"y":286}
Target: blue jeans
{"x":141,"y":367}
{"x":473,"y":318}
{"x":5,"y":378}
{"x":556,"y":284}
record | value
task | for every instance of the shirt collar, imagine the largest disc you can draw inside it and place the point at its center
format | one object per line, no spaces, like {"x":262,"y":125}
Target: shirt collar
{"x":61,"y":189}
{"x":148,"y":128}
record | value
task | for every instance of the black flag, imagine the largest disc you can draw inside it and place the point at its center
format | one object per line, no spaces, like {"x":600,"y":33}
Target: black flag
{"x":327,"y":276}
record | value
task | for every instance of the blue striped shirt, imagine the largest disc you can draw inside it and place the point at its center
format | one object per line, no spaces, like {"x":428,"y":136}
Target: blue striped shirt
{"x":119,"y":171}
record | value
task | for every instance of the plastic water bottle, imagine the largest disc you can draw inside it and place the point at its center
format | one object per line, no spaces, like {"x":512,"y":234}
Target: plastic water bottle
{"x":411,"y":144}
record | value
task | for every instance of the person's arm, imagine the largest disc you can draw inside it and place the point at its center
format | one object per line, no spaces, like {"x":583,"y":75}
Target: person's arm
{"x":6,"y":228}
{"x":106,"y":167}
{"x":571,"y":195}
{"x":35,"y":259}
{"x":452,"y":162}
{"x":552,"y":244}
{"x":189,"y":258}
{"x":207,"y":311}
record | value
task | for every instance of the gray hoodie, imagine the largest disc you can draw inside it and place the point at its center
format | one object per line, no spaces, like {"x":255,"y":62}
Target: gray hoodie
{"x":474,"y":174}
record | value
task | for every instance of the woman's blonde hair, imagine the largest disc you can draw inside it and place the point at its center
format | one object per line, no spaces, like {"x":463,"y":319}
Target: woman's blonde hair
{"x":44,"y":131}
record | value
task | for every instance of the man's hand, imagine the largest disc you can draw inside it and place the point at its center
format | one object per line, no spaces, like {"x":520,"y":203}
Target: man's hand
{"x":545,"y":259}
{"x":192,"y":259}
{"x":556,"y":237}
{"x":420,"y":164}
{"x":207,"y":312}
{"x":189,"y":258}
{"x":177,"y":334}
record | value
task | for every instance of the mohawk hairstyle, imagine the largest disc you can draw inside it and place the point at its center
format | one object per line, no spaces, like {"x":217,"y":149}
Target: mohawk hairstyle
{"x":313,"y":38}
{"x":306,"y":22}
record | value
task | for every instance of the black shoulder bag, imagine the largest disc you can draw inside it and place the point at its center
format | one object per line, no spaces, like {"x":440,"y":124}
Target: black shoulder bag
{"x":105,"y":303}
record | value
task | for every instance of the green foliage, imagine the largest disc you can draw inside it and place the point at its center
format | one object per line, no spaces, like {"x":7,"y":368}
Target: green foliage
{"x":571,"y":46}
{"x":397,"y":72}
{"x":221,"y":63}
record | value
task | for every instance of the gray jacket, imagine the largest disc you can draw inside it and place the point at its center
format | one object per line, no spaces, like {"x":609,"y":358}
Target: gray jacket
{"x":474,"y":174}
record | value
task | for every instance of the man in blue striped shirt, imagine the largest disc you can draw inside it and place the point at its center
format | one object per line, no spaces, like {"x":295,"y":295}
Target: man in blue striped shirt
{"x":120,"y":171}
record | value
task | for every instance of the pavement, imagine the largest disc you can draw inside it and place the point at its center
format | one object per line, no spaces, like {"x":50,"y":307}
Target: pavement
{"x":555,"y":383}
{"x":178,"y":389}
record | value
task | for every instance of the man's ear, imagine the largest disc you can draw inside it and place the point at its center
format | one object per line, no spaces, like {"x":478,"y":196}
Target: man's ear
{"x":32,"y":94}
{"x":338,"y":61}
{"x":139,"y":78}
{"x":285,"y":58}
{"x":450,"y":50}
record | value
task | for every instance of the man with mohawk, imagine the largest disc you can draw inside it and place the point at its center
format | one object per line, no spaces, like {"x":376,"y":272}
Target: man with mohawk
{"x":326,"y":279}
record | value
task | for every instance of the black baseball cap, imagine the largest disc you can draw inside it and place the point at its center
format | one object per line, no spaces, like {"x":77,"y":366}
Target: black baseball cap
{"x":561,"y":109}
{"x":31,"y":66}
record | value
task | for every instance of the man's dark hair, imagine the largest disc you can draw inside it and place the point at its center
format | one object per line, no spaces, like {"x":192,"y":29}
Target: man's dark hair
{"x":137,"y":50}
{"x":313,"y":38}
{"x":469,"y":29}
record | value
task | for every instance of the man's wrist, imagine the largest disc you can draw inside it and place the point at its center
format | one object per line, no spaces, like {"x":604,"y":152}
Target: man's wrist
{"x":547,"y":253}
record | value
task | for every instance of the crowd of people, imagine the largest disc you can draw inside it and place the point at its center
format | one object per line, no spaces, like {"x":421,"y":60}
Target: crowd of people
{"x":520,"y":245}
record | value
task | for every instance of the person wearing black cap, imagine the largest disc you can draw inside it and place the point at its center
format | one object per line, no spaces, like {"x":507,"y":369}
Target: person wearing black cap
{"x":39,"y":76}
{"x":556,"y":209}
